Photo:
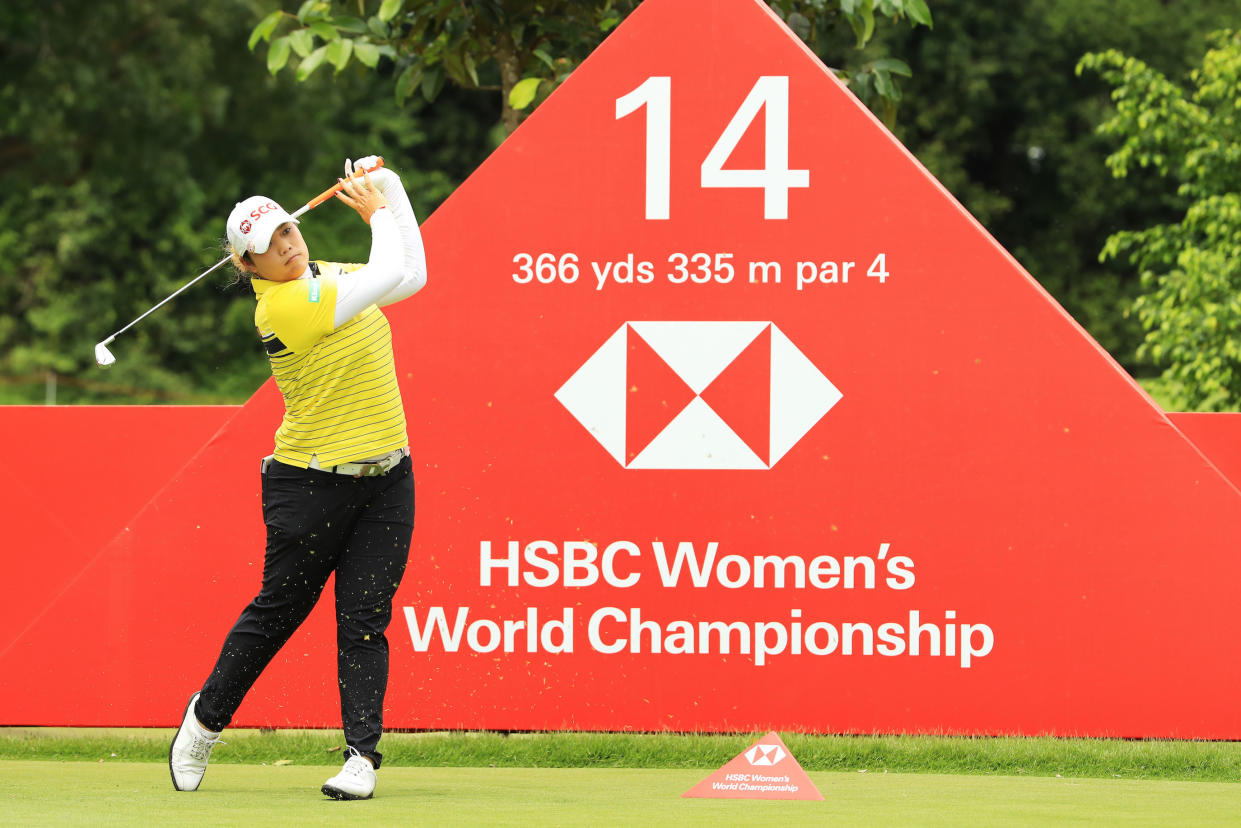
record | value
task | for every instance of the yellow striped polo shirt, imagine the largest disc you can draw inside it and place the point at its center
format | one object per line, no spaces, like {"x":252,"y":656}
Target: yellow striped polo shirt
{"x":341,"y":399}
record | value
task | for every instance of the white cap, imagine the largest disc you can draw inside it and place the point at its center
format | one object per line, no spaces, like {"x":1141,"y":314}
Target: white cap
{"x":252,"y":222}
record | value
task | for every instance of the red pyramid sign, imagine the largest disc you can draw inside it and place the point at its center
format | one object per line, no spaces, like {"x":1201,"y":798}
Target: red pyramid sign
{"x":764,"y":770}
{"x":741,"y":394}
{"x":655,"y":394}
{"x":969,"y":518}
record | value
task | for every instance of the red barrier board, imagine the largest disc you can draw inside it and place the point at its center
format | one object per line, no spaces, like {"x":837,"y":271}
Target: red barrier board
{"x":74,"y":476}
{"x":1217,"y":435}
{"x":93,"y":627}
{"x":726,"y":417}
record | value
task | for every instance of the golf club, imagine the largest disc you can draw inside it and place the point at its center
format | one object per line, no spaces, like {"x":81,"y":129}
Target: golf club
{"x":104,"y":357}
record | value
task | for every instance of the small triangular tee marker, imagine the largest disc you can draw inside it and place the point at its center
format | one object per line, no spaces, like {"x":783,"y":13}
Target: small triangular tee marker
{"x":764,"y":770}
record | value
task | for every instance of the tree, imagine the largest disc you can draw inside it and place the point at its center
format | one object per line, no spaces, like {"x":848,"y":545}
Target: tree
{"x":122,"y":153}
{"x":1191,"y":268}
{"x":524,"y":48}
{"x":996,"y":112}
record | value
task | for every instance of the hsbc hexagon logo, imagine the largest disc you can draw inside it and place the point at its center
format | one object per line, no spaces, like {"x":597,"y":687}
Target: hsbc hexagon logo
{"x":698,"y":395}
{"x":763,"y":755}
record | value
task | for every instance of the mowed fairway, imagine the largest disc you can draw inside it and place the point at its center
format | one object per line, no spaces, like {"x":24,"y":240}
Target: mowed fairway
{"x":80,"y":793}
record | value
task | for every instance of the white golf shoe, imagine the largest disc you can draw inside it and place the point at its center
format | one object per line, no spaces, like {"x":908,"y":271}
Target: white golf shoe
{"x":356,"y":779}
{"x":191,"y":748}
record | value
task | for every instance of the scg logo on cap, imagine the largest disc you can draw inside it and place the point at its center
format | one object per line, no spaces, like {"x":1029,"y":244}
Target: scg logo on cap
{"x":698,"y":395}
{"x":269,"y":207}
{"x":245,"y":227}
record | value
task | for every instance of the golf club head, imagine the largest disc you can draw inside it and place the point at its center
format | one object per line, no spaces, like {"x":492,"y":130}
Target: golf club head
{"x":103,"y":356}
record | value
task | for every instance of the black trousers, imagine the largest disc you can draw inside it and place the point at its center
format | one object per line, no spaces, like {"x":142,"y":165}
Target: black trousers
{"x":319,"y":523}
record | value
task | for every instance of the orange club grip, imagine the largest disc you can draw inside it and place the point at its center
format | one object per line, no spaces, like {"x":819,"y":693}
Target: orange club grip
{"x":335,"y":188}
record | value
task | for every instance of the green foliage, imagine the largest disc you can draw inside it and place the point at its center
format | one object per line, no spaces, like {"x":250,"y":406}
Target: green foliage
{"x":131,"y":127}
{"x":1014,"y":756}
{"x":525,"y":48}
{"x":423,"y":47}
{"x":870,"y":72}
{"x":996,"y":112}
{"x":523,"y":93}
{"x":121,"y":162}
{"x":1190,"y":269}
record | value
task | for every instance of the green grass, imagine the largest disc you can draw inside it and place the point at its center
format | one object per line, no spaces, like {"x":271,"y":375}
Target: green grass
{"x":83,"y":793}
{"x":1007,"y":756}
{"x":119,"y":776}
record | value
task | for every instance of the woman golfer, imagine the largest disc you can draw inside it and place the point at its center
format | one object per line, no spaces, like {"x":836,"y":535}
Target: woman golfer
{"x":338,"y":493}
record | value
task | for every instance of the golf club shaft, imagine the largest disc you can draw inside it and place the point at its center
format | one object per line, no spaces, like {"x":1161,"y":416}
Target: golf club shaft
{"x":310,"y":205}
{"x":167,"y":299}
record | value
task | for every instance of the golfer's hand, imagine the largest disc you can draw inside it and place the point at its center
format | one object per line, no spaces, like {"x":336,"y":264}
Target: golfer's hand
{"x":362,"y":195}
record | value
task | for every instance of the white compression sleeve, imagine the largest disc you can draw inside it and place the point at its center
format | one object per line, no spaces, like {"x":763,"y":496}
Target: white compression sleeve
{"x":397,"y":268}
{"x":363,"y":287}
{"x":414,"y":267}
